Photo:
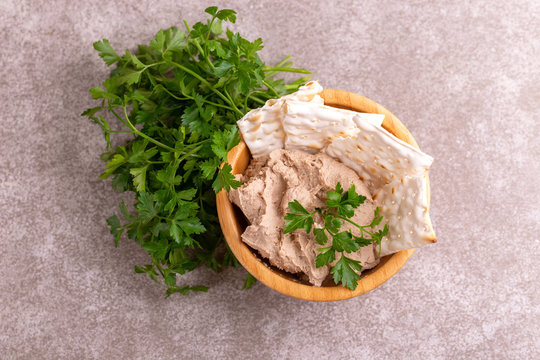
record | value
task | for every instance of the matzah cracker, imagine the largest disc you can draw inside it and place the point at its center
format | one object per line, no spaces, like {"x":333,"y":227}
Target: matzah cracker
{"x":404,"y":206}
{"x":378,"y":156}
{"x":262,"y":128}
{"x":309,"y":127}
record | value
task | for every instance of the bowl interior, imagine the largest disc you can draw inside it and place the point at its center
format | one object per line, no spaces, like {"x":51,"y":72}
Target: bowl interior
{"x":233,"y":224}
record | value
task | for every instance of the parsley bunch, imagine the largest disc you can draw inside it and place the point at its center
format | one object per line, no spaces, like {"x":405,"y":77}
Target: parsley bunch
{"x":180,"y":97}
{"x":339,"y":208}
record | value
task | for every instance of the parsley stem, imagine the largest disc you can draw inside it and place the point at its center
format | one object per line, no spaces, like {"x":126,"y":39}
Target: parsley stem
{"x":198,"y":143}
{"x":287,"y":69}
{"x":291,"y":87}
{"x":153,"y":64}
{"x":282,"y":62}
{"x":218,"y":105}
{"x":119,"y":131}
{"x":160,"y":269}
{"x":362,"y":228}
{"x":232,"y":102}
{"x":270,"y":88}
{"x":194,"y":150}
{"x":204,"y":55}
{"x":256,"y":99}
{"x":118,"y":117}
{"x":187,"y":97}
{"x":196,"y":42}
{"x":204,"y":81}
{"x":210,"y":24}
{"x":130,"y":125}
{"x":174,"y":96}
{"x":245,"y":103}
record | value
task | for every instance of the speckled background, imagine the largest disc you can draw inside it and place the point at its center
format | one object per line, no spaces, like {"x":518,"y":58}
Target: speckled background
{"x":463,"y":76}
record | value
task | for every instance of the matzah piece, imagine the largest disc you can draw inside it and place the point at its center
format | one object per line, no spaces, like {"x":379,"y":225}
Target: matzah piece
{"x":310,"y":92}
{"x":262,"y":128}
{"x":404,"y":206}
{"x":309,"y":127}
{"x":378,"y":156}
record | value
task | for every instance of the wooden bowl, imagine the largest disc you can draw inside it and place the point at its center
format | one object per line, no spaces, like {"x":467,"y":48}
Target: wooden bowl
{"x":233,"y":227}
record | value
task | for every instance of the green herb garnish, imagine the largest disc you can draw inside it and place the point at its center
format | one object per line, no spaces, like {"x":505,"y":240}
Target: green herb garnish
{"x":248,"y":283}
{"x":180,"y":97}
{"x":339,"y":208}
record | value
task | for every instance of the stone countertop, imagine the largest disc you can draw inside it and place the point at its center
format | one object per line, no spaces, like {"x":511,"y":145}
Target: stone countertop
{"x":464,"y":78}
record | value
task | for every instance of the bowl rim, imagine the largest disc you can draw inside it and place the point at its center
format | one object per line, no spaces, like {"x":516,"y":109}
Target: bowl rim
{"x":389,"y":265}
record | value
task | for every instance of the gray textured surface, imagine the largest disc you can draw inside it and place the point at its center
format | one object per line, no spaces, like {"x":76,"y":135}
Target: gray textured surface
{"x":463,"y":77}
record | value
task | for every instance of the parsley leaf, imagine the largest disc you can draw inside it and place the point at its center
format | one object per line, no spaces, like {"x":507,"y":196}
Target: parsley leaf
{"x":116,"y":228}
{"x":225,"y":179}
{"x":320,"y":236}
{"x":344,"y":203}
{"x":223,"y":141}
{"x":113,"y":164}
{"x":248,"y":283}
{"x":299,"y":217}
{"x":158,"y":249}
{"x":139,"y":177}
{"x":343,"y":242}
{"x":327,"y":255}
{"x":106,"y":52}
{"x":345,"y":271}
{"x":332,"y":224}
{"x":146,"y":207}
{"x":209,"y":168}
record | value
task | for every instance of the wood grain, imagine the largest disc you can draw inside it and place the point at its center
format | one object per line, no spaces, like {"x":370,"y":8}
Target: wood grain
{"x":239,"y":158}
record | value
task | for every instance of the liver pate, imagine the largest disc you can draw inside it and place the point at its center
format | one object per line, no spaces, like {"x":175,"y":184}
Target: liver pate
{"x":270,"y":183}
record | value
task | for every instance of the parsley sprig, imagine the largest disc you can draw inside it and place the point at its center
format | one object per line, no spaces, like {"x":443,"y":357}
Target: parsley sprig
{"x":339,"y":208}
{"x":180,"y":97}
